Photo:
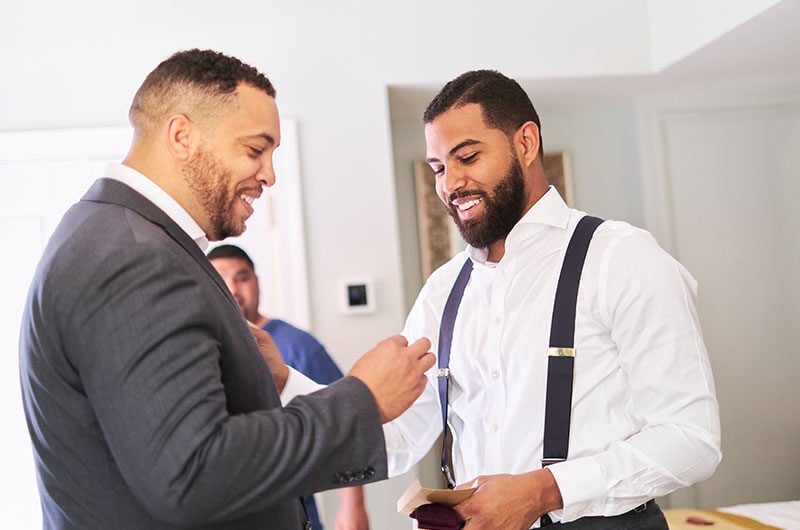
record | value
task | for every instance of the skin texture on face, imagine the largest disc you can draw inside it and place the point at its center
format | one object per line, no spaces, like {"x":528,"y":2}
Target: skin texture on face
{"x":478,"y":176}
{"x":232,"y":161}
{"x":242,"y":282}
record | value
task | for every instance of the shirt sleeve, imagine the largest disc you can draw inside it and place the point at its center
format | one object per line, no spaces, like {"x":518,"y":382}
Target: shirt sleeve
{"x":297,"y":385}
{"x":648,"y":301}
{"x":410,"y":436}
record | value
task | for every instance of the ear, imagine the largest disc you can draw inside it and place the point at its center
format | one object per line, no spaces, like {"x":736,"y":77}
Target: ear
{"x":527,"y":141}
{"x":181,"y":135}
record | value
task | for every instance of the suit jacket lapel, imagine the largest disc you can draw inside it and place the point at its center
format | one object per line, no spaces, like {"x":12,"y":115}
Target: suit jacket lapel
{"x":114,"y":192}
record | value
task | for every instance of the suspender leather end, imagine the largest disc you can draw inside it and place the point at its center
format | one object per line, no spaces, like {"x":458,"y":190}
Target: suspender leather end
{"x":561,"y":352}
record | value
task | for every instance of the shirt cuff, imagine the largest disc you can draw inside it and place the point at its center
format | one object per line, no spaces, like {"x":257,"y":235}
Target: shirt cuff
{"x":297,"y":385}
{"x":582,"y":487}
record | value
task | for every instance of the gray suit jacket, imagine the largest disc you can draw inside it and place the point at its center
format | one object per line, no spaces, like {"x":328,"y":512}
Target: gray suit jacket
{"x":147,"y":399}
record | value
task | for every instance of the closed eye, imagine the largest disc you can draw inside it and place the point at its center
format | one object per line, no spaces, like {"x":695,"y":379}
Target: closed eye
{"x":468,"y":159}
{"x":256,"y":152}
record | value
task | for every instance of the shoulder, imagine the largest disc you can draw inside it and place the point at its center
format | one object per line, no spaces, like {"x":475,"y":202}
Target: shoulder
{"x":422,"y":320}
{"x":623,"y":246}
{"x":441,"y":281}
{"x":627,"y":267}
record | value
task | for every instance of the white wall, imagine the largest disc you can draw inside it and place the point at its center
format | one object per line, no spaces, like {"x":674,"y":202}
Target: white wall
{"x":603,"y":147}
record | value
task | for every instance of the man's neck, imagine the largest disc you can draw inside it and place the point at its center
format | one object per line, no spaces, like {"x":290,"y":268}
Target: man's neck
{"x":496,"y":251}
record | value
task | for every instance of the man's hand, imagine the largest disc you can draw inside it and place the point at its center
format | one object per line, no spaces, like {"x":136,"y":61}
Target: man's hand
{"x":271,"y":354}
{"x":509,"y":502}
{"x":395,"y":373}
{"x":352,"y":512}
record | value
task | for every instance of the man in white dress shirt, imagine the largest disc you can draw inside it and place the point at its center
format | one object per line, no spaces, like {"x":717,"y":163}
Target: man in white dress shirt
{"x":644,"y":416}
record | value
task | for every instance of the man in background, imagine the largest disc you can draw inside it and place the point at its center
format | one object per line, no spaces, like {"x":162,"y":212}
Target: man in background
{"x":148,"y":400}
{"x":300,"y":350}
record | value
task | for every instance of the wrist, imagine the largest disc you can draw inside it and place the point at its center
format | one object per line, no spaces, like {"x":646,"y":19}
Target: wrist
{"x":551,"y":494}
{"x":281,"y":376}
{"x":353,"y":496}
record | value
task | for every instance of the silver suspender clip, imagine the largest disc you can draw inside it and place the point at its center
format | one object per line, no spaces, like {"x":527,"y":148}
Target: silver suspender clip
{"x":443,"y":372}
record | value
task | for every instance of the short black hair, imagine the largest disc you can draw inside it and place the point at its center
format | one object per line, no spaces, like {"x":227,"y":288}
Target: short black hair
{"x":505,"y":105}
{"x":204,"y":77}
{"x":230,"y":251}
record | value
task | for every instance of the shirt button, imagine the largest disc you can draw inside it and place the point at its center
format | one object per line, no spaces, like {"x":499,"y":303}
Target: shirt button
{"x":495,"y":375}
{"x":495,"y":427}
{"x":497,"y":321}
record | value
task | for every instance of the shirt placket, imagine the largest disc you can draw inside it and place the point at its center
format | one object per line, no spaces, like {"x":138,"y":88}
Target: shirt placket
{"x":494,"y":376}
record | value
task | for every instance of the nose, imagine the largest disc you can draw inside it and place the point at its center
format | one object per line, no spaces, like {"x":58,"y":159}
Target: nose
{"x":452,"y":179}
{"x":266,"y":175}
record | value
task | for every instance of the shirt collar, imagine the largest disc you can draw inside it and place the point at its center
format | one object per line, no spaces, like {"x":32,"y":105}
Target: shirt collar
{"x":155,"y":194}
{"x":549,"y":210}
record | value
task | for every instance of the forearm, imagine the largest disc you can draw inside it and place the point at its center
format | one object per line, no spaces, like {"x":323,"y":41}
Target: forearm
{"x":410,"y":436}
{"x":353,"y":496}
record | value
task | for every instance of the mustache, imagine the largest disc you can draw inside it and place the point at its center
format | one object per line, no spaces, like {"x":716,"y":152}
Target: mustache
{"x":252,"y":190}
{"x":466,"y":193}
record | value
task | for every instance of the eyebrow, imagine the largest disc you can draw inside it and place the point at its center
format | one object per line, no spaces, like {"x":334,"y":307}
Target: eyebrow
{"x":457,"y":148}
{"x":264,"y":136}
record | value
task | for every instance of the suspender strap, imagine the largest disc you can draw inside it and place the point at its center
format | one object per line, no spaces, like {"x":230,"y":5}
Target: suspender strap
{"x":443,"y":374}
{"x":561,"y":359}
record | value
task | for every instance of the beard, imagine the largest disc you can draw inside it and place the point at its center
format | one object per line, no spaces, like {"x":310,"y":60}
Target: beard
{"x":502,"y":209}
{"x":209,"y":179}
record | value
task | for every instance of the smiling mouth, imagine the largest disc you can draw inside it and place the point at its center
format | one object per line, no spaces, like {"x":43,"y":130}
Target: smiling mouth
{"x":463,"y":206}
{"x":249,"y":199}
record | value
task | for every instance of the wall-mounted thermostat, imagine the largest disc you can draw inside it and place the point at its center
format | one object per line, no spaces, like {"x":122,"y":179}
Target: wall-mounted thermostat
{"x":357,"y":296}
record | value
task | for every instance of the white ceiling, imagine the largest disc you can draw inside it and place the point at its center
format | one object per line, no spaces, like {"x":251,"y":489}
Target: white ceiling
{"x":764,"y":50}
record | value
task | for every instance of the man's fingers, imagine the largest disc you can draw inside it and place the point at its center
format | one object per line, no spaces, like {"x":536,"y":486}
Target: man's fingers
{"x":427,"y":361}
{"x":420,"y":347}
{"x":399,"y":339}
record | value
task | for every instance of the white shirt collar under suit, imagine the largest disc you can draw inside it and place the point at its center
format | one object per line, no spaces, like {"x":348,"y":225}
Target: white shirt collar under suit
{"x":152,"y":192}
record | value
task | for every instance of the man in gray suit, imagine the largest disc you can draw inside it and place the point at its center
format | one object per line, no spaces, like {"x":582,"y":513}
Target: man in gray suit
{"x":148,"y":399}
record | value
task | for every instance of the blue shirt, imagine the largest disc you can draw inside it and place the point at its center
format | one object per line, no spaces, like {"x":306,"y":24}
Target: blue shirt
{"x":305,"y":354}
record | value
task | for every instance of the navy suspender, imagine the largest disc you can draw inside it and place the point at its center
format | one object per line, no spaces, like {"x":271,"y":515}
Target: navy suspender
{"x":558,"y":403}
{"x":561,"y":359}
{"x":443,"y":374}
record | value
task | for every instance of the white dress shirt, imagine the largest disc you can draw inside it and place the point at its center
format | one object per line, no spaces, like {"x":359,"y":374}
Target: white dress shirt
{"x":155,"y":194}
{"x":645,"y":419}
